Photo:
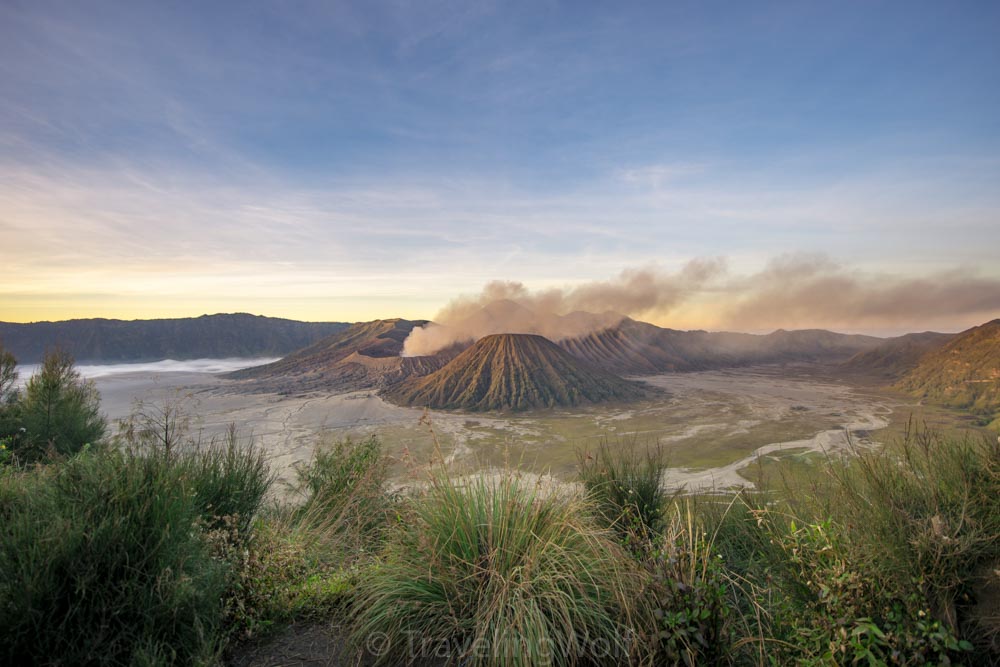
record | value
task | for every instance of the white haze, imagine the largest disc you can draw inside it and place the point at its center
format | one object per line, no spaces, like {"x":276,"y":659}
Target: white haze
{"x":94,"y":371}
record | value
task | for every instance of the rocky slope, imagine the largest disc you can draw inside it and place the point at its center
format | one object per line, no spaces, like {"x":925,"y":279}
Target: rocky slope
{"x":365,"y":355}
{"x":514,"y":372}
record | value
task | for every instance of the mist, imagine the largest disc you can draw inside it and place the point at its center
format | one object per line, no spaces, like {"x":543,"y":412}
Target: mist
{"x":95,"y":371}
{"x":812,"y":291}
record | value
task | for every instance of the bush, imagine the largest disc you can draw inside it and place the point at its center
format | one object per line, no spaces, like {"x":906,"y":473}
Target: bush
{"x":884,"y":565}
{"x":277,"y":575}
{"x":231,"y":478}
{"x":103,"y":564}
{"x":106,"y":559}
{"x":344,"y":495}
{"x":626,"y":488}
{"x":488,"y":571}
{"x":59,"y":411}
{"x":688,"y":595}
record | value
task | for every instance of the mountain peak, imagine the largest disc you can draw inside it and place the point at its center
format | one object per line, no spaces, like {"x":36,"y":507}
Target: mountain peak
{"x":514,"y":371}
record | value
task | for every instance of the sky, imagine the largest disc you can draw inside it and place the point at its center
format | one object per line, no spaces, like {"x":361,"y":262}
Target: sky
{"x":836,"y":164}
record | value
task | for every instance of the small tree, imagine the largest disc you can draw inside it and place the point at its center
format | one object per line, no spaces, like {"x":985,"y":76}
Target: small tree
{"x":8,"y":376}
{"x":9,"y":422}
{"x":60,"y":411}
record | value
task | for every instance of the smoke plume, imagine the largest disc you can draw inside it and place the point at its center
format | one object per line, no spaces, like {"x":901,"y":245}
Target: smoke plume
{"x":791,"y":292}
{"x":799,"y":291}
{"x":510,"y":307}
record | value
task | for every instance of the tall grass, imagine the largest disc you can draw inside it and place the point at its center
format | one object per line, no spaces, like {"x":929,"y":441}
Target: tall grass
{"x":488,"y":570}
{"x":625,"y":487}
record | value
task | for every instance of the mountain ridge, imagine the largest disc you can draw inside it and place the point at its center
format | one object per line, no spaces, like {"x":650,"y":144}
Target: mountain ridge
{"x":219,"y":335}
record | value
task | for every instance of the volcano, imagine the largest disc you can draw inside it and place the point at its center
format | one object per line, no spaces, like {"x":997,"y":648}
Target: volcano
{"x":513,"y":372}
{"x":363,"y":356}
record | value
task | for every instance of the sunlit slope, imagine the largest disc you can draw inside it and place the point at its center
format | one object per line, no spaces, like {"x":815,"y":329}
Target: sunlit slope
{"x":964,"y":373}
{"x":514,"y":372}
{"x":897,"y":356}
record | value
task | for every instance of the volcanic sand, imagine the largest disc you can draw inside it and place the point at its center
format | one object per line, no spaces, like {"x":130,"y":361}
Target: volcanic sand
{"x":711,"y":424}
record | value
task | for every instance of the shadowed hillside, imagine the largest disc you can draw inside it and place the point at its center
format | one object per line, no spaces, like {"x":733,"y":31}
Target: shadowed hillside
{"x":208,"y":336}
{"x":637,"y":348}
{"x":362,"y":356}
{"x":964,"y":373}
{"x":897,"y":356}
{"x":514,"y":372}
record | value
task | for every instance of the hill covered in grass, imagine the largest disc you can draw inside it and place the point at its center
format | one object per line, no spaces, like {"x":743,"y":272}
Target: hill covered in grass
{"x":514,"y":372}
{"x":365,"y":355}
{"x":208,"y":336}
{"x":964,"y":373}
{"x":897,"y":356}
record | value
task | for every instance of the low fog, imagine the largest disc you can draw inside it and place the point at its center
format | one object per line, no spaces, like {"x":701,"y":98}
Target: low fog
{"x":93,"y":371}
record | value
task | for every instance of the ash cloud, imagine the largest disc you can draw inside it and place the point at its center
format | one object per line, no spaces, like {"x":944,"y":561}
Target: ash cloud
{"x":797,"y":291}
{"x":557,"y":313}
{"x":801,"y":291}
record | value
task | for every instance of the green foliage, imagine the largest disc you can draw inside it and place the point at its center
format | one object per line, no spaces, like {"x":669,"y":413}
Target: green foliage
{"x":8,"y":376}
{"x":489,"y":571}
{"x":890,"y":564}
{"x":59,"y":412}
{"x":276,"y":575}
{"x":344,"y":495}
{"x":626,"y":489}
{"x":102,"y":564}
{"x":230,"y":474}
{"x":688,"y":594}
{"x":924,"y":517}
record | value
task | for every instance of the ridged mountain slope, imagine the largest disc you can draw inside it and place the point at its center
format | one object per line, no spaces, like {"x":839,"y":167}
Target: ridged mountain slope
{"x":514,"y":372}
{"x":638,"y":348}
{"x":208,"y":336}
{"x":362,"y":356}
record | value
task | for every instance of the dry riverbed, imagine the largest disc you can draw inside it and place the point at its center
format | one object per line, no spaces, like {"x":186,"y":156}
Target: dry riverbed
{"x":713,"y":425}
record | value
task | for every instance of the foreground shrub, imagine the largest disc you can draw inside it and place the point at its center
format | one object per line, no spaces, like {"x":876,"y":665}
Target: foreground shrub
{"x":923,"y":516}
{"x":488,"y":571}
{"x":890,"y":564}
{"x":102,"y":564}
{"x":688,"y":598}
{"x":231,"y":478}
{"x":626,"y":488}
{"x":278,"y":575}
{"x":344,"y":495}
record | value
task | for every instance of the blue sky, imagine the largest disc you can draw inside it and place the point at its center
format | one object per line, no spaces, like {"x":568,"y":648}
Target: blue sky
{"x":343,"y":161}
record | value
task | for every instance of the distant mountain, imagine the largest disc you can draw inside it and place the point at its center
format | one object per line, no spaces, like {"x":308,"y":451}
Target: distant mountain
{"x":638,"y":348}
{"x":897,"y":356}
{"x":964,"y":372}
{"x":208,"y":336}
{"x":365,"y":355}
{"x":513,"y":372}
